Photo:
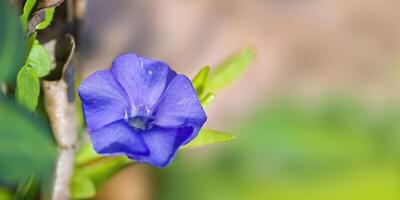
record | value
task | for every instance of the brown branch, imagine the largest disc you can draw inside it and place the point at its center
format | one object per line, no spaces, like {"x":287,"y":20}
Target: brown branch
{"x":62,"y":117}
{"x":60,"y":108}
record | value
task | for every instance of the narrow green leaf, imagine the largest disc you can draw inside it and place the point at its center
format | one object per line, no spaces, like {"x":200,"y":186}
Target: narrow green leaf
{"x":98,"y":168}
{"x":26,"y":147}
{"x":27,"y":190}
{"x":28,"y":7}
{"x":206,"y":137}
{"x":12,"y":42}
{"x":105,"y":167}
{"x":39,"y":59}
{"x":206,"y":100}
{"x":28,"y":88}
{"x":86,"y":154}
{"x":229,"y":70}
{"x":82,"y":187}
{"x":49,"y":13}
{"x":200,"y":80}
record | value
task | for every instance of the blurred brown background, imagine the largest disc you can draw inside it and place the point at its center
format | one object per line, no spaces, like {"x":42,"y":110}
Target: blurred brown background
{"x":307,"y":47}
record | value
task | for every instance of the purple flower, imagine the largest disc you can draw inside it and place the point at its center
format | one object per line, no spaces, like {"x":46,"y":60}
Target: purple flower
{"x":140,"y":108}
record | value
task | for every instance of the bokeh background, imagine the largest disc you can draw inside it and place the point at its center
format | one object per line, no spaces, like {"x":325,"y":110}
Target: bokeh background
{"x":316,"y":116}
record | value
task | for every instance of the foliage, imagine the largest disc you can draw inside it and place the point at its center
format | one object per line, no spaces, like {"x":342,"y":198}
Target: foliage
{"x":12,"y":42}
{"x":27,"y":190}
{"x":5,"y":194}
{"x":200,"y":80}
{"x":26,"y":141}
{"x":206,"y":137}
{"x":82,"y":187}
{"x":229,"y":71}
{"x":28,"y":88}
{"x":27,"y":149}
{"x":39,"y":59}
{"x":207,"y":82}
{"x":26,"y":12}
{"x":20,"y":137}
{"x":49,"y":13}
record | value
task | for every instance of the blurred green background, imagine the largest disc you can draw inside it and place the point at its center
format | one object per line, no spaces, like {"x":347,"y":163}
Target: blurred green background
{"x":334,"y":149}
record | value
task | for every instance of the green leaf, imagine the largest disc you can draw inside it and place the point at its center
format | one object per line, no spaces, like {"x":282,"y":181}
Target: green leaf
{"x":200,"y":80}
{"x":28,"y":88}
{"x":206,"y":137}
{"x":27,"y":190}
{"x":86,"y":154}
{"x":49,"y":13}
{"x":5,"y":194}
{"x":206,"y":100}
{"x":29,"y":45}
{"x":28,"y":7}
{"x":229,"y":70}
{"x":98,"y":168}
{"x":39,"y":59}
{"x":26,"y":147}
{"x":12,"y":42}
{"x":82,"y":187}
{"x":105,"y":167}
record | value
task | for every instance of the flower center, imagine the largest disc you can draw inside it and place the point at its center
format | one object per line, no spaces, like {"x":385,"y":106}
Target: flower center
{"x":139,"y":118}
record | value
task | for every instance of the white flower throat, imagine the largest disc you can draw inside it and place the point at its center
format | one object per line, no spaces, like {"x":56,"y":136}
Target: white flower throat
{"x":139,"y":118}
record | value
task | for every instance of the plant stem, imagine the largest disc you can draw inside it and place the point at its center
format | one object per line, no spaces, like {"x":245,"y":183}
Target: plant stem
{"x":63,"y":123}
{"x":64,"y":171}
